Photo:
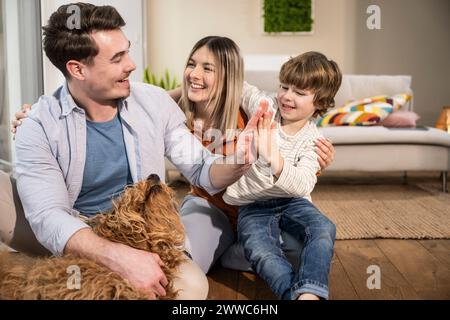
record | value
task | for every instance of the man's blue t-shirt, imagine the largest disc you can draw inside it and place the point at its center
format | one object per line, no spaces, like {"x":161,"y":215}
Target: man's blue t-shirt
{"x":106,"y":172}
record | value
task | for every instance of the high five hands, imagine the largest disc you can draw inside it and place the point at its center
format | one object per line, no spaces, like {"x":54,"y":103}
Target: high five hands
{"x":247,"y":144}
{"x":259,"y":140}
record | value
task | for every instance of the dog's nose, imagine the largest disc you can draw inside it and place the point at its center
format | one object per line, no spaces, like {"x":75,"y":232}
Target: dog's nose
{"x":154,"y":178}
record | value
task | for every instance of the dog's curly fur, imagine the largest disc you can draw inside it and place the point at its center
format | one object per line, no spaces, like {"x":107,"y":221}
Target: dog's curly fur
{"x":145,"y":217}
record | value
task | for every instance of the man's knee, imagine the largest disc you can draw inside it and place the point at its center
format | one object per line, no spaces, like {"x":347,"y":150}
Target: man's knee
{"x":191,"y":282}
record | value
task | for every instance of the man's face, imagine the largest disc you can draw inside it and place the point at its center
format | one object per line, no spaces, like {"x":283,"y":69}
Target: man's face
{"x":106,"y":78}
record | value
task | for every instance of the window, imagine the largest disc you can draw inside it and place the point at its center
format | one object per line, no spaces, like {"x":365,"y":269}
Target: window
{"x":20,"y":64}
{"x":4,"y":141}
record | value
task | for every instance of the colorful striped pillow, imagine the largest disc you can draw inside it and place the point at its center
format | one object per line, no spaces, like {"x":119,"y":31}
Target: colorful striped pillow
{"x":364,"y":112}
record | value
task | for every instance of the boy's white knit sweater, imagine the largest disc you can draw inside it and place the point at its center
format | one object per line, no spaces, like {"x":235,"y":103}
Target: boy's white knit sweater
{"x":298,"y":176}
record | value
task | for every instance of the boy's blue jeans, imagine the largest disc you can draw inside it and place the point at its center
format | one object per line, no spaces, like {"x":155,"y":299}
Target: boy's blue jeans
{"x":259,"y":227}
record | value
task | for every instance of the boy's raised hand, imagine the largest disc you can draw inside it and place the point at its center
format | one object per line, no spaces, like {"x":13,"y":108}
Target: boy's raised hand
{"x":246,"y":151}
{"x":267,"y":147}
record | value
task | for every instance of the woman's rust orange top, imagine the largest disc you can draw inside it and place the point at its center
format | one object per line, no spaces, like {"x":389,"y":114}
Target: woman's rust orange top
{"x":230,"y":211}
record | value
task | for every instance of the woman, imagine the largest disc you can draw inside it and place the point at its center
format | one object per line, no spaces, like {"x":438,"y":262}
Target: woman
{"x":210,"y":97}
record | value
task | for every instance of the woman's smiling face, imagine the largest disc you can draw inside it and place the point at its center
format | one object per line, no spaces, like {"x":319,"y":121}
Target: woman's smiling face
{"x":200,"y":76}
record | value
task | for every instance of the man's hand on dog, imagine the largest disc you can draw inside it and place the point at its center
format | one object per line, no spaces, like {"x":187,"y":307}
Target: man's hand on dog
{"x":143,"y":270}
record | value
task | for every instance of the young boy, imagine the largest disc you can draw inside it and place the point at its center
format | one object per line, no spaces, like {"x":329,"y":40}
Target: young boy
{"x":274,"y":194}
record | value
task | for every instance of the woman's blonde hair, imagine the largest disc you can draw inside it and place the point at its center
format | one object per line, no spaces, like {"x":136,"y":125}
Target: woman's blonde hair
{"x":226,"y":97}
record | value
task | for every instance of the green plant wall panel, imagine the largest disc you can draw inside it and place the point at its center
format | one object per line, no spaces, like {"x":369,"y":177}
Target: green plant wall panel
{"x":287,"y":16}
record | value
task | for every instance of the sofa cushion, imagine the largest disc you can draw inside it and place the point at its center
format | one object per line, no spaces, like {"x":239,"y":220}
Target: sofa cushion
{"x":401,"y":119}
{"x":383,"y":135}
{"x":364,"y":112}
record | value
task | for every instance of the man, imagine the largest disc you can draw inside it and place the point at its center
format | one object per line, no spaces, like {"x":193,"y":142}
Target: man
{"x":98,"y":133}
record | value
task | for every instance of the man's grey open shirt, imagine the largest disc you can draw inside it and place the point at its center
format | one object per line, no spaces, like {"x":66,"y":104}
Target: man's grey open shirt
{"x":51,"y":153}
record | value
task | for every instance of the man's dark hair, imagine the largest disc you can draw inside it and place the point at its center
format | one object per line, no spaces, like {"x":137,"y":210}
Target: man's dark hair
{"x":64,"y":42}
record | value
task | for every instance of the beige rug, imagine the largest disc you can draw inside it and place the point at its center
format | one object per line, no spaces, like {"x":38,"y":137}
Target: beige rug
{"x":385,"y":211}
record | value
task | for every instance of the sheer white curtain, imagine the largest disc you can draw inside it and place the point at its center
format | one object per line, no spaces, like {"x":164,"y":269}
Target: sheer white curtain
{"x":20,"y":63}
{"x":4,"y":136}
{"x":4,"y":150}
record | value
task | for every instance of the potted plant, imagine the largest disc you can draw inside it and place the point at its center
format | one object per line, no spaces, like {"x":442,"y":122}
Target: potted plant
{"x":166,"y":81}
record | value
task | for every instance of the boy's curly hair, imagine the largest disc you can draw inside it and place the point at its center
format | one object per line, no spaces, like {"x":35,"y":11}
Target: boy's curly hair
{"x":313,"y":71}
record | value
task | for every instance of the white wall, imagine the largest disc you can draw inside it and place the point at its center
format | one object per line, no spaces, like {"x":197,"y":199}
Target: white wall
{"x":175,"y":25}
{"x":133,"y":12}
{"x":414,"y":39}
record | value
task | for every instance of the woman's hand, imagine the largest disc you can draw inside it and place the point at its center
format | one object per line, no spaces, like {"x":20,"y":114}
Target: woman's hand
{"x":19,"y":116}
{"x":326,"y":152}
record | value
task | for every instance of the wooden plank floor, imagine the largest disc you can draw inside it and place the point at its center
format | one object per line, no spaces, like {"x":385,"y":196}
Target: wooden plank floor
{"x":410,"y":269}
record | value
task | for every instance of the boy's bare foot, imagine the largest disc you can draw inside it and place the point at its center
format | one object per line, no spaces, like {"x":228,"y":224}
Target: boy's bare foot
{"x":308,"y":296}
